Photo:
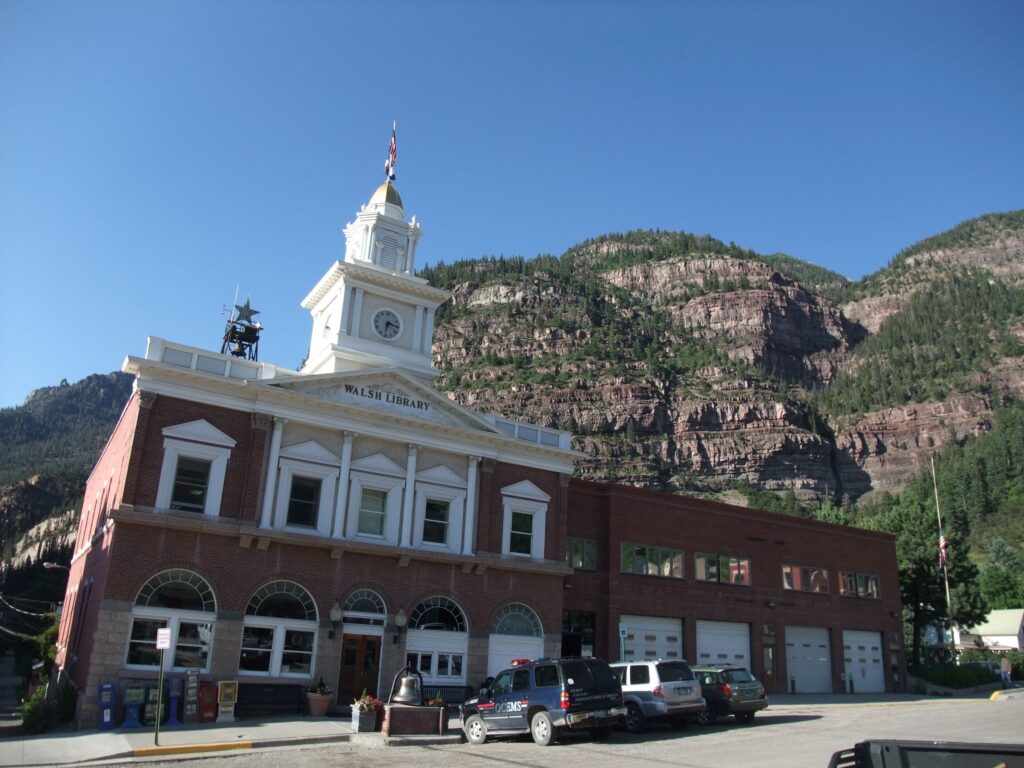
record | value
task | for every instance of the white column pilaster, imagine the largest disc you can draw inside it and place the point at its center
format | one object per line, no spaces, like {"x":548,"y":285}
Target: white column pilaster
{"x":342,"y":504}
{"x":346,"y":309}
{"x":469,"y":529}
{"x":266,"y":514}
{"x":417,"y":330}
{"x":405,"y":540}
{"x":357,"y":310}
{"x":428,"y":331}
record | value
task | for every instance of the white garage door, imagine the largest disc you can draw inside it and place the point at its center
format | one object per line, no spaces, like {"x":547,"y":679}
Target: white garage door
{"x":862,"y":659}
{"x":502,"y":649}
{"x":808,"y":660}
{"x":723,"y":642}
{"x":651,"y":637}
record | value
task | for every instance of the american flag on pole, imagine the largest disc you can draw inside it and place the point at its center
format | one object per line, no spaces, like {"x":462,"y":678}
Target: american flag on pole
{"x":942,"y":550}
{"x":392,"y":161}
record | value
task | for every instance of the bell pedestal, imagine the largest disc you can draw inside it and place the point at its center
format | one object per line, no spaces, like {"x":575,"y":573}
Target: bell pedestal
{"x":405,"y":719}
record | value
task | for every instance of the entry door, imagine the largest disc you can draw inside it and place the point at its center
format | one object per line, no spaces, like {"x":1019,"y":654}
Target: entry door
{"x":360,"y":666}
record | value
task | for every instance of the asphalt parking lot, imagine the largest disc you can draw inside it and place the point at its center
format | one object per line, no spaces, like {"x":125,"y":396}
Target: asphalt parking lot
{"x":792,"y":735}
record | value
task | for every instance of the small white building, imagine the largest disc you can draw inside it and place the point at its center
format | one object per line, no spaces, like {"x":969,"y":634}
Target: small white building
{"x":1003,"y":631}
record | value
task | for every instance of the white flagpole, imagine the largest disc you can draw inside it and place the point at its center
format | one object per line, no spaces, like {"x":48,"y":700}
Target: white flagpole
{"x":945,"y":572}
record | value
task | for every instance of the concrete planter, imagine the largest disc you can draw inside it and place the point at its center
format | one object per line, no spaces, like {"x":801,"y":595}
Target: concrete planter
{"x":363,"y":722}
{"x":318,"y":703}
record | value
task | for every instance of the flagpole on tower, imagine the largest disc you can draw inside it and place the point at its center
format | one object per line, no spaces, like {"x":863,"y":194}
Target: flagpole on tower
{"x":392,"y":161}
{"x":943,"y":559}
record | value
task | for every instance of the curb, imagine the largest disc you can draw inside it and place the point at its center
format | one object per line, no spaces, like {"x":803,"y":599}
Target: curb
{"x":227,"y":746}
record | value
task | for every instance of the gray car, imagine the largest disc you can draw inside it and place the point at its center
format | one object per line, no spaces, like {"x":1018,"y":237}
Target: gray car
{"x":659,"y":689}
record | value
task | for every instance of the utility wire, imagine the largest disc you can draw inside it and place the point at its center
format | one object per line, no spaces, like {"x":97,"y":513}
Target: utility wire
{"x":26,"y":613}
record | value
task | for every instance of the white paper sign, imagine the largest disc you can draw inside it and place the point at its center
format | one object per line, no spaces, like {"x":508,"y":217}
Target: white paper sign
{"x":163,"y":639}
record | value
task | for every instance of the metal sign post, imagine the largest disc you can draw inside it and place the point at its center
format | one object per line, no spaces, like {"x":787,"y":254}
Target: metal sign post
{"x":163,"y":642}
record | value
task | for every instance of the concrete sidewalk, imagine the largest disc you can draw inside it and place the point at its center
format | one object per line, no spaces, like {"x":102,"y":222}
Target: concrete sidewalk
{"x":64,"y":748}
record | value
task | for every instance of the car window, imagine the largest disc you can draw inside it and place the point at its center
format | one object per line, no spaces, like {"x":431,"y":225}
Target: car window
{"x":500,"y":684}
{"x":521,"y":680}
{"x":673,"y":671}
{"x":546,"y":676}
{"x":576,"y":673}
{"x":639,"y":674}
{"x":620,"y":673}
{"x":737,"y":676}
{"x":602,"y":674}
{"x":707,"y":678}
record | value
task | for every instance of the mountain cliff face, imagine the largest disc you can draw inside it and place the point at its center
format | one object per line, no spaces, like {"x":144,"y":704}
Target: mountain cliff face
{"x":684,"y":364}
{"x":677,"y":361}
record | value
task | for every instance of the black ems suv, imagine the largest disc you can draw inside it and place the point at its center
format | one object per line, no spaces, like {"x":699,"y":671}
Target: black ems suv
{"x":545,"y":698}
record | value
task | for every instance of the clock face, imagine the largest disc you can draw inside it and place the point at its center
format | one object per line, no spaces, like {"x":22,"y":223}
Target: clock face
{"x":387,"y":324}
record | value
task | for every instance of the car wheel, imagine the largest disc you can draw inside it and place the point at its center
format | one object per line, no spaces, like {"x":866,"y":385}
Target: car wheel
{"x":600,"y":734}
{"x":745,"y":717}
{"x":707,"y":717}
{"x":541,"y":729}
{"x":475,"y":729}
{"x":635,"y":720}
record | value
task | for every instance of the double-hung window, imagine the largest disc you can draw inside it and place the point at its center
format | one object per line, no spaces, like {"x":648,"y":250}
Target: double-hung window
{"x":305,"y":496}
{"x":581,"y":554}
{"x":372,"y":512}
{"x":525,"y":520}
{"x":803,"y":578}
{"x":191,"y":482}
{"x":725,"y":569}
{"x":435,"y":522}
{"x":304,"y":501}
{"x":193,"y":469}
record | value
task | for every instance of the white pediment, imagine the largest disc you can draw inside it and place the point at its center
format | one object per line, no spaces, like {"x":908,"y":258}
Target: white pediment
{"x":379,"y":464}
{"x":440,"y":475}
{"x":387,"y":392}
{"x":309,"y":451}
{"x":524,"y":489}
{"x":200,"y":431}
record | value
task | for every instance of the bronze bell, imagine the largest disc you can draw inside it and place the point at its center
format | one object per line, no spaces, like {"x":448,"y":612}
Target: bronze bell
{"x":409,"y":692}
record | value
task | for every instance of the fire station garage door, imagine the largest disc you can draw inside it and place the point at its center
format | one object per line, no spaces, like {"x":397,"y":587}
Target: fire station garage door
{"x":504,"y":648}
{"x":808,"y":660}
{"x":862,"y":658}
{"x":651,"y":637}
{"x":723,"y":642}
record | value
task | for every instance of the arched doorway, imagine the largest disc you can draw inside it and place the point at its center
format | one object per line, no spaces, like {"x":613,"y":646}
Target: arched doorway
{"x":364,"y":615}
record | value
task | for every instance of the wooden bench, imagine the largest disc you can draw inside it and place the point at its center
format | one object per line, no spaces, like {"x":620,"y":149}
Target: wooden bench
{"x":256,"y":699}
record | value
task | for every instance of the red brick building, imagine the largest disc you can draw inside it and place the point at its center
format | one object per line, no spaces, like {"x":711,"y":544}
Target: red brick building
{"x":345,"y":520}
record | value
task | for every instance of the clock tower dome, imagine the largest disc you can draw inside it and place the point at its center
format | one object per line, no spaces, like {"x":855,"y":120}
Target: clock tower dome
{"x":370,"y":310}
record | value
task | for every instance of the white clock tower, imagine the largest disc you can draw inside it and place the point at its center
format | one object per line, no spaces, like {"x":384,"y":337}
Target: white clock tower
{"x":369,"y":310}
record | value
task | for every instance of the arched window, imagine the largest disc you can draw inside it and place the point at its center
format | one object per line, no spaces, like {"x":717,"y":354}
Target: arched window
{"x":279,"y":632}
{"x":364,"y":606}
{"x":438,"y":613}
{"x":517,"y":619}
{"x":438,"y":641}
{"x":183,"y":602}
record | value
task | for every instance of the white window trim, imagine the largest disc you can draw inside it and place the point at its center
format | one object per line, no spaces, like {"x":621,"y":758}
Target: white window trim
{"x":173,"y":619}
{"x":280,"y":626}
{"x":328,"y":476}
{"x":456,"y":499}
{"x":435,"y":641}
{"x":393,"y":487}
{"x":218,"y":458}
{"x":538,"y":510}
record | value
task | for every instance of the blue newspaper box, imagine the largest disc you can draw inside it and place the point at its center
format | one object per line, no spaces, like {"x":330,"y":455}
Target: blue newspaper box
{"x":106,"y":698}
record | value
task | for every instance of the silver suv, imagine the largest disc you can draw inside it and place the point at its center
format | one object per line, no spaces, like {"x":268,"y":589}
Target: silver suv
{"x":660,"y":689}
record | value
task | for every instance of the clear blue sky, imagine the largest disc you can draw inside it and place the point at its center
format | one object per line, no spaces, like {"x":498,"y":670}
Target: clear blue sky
{"x":155,"y":154}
